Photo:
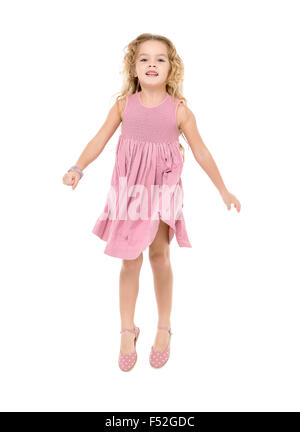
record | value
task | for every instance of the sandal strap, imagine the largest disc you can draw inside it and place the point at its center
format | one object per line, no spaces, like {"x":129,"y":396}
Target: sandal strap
{"x":129,"y":330}
{"x":165,"y":328}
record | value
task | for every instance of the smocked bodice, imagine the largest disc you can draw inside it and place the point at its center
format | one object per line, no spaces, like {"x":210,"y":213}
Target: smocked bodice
{"x":154,"y":124}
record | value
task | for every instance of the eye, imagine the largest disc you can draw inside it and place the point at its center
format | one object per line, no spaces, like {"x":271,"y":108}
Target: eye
{"x":146,"y":60}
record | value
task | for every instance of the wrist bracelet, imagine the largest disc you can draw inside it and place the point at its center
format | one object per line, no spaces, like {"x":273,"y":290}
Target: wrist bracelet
{"x":77,"y":169}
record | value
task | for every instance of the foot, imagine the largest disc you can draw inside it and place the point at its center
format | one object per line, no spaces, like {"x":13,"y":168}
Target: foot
{"x":162,"y":340}
{"x":127,"y":342}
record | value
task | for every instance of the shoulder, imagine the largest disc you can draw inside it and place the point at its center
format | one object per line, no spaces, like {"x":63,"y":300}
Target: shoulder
{"x":121,"y":103}
{"x":184,"y":114}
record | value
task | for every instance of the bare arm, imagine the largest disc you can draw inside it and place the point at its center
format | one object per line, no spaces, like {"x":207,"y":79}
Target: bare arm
{"x":95,"y":146}
{"x":188,"y":125}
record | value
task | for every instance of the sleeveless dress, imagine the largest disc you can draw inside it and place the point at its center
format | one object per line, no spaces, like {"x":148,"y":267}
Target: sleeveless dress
{"x":146,"y":185}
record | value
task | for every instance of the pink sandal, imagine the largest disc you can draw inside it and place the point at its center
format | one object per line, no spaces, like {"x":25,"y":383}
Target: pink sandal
{"x":159,"y":358}
{"x":127,"y":361}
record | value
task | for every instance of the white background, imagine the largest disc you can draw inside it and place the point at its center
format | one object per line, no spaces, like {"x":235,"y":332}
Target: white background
{"x":235,"y":319}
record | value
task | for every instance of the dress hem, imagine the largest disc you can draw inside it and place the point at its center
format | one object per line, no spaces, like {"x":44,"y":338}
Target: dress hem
{"x":111,"y":251}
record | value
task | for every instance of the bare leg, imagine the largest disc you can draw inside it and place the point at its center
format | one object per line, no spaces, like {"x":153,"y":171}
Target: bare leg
{"x":159,"y":257}
{"x":129,"y":288}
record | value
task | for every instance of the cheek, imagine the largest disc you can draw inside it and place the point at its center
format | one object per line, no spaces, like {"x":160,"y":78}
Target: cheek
{"x":165,"y":71}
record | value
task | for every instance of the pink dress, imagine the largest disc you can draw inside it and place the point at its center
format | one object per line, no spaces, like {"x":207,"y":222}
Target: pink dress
{"x":146,"y":185}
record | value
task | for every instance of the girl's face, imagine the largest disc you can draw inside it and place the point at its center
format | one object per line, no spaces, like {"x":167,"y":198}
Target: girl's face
{"x":152,"y":56}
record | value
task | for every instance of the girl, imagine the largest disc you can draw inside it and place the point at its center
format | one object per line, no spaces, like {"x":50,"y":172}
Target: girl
{"x":148,"y":166}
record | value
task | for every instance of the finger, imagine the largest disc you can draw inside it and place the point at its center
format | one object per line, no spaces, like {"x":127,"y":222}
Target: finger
{"x":66,"y":181}
{"x":75,"y":182}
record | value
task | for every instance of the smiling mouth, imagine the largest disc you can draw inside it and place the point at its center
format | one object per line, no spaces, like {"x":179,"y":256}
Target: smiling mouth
{"x":151,"y":74}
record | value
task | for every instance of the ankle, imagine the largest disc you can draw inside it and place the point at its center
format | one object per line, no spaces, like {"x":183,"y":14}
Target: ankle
{"x":164,"y":324}
{"x":129,"y":326}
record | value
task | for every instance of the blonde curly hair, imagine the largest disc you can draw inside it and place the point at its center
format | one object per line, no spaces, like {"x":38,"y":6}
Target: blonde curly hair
{"x":175,"y":78}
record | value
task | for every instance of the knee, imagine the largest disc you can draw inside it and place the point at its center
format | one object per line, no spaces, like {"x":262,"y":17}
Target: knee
{"x":160,"y":259}
{"x":133,"y":265}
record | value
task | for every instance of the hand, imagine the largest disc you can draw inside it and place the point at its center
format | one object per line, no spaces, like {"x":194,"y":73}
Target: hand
{"x":71,"y":178}
{"x":229,"y":199}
